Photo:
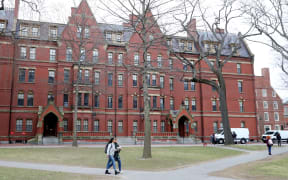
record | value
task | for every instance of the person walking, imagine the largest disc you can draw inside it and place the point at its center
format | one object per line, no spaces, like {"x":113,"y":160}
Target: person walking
{"x":269,"y":143}
{"x":117,"y":156}
{"x":110,"y":154}
{"x":212,"y":138}
{"x":278,"y":136}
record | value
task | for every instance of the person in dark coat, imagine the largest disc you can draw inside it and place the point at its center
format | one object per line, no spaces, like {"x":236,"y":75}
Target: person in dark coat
{"x":212,"y":138}
{"x":278,"y":136}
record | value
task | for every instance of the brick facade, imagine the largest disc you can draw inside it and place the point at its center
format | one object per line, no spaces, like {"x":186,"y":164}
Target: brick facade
{"x":38,"y":64}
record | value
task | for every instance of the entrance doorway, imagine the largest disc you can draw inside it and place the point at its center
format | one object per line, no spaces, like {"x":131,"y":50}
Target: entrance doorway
{"x":183,"y":126}
{"x":50,"y":125}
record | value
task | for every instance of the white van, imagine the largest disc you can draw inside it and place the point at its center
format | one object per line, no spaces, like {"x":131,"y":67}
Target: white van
{"x":273,"y":133}
{"x":242,"y":135}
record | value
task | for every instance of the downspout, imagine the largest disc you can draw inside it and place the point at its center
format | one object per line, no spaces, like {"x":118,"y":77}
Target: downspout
{"x":201,"y":105}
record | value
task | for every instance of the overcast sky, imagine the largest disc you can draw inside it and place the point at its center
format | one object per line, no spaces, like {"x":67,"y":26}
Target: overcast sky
{"x":56,"y":10}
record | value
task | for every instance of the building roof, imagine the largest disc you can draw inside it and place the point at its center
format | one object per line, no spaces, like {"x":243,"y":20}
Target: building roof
{"x":8,"y":14}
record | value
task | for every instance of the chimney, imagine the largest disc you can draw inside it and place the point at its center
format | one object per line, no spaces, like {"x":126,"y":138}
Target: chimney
{"x":219,"y":30}
{"x":73,"y":10}
{"x":266,"y":74}
{"x":192,"y":28}
{"x":16,"y":14}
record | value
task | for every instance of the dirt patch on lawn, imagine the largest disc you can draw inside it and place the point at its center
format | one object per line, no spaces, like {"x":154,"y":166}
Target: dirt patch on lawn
{"x":242,"y":171}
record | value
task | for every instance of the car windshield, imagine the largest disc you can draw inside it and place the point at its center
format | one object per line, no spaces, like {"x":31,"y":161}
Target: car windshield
{"x":269,"y":132}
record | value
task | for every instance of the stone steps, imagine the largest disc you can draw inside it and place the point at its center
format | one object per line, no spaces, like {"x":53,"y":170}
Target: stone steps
{"x":50,"y":140}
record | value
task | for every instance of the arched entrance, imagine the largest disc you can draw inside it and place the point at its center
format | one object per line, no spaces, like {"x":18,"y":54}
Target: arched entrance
{"x":50,"y":125}
{"x":183,"y":126}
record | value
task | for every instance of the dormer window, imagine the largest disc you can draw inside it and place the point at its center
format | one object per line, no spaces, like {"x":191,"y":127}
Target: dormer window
{"x":53,"y":32}
{"x":108,"y":36}
{"x":181,"y":44}
{"x":24,"y":31}
{"x":35,"y":32}
{"x":207,"y":47}
{"x":189,"y":47}
{"x":234,"y":49}
{"x":119,"y":37}
{"x":2,"y":26}
{"x":169,"y":42}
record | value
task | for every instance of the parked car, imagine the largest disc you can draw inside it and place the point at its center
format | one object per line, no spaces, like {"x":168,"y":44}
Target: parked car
{"x":273,"y":133}
{"x":242,"y":135}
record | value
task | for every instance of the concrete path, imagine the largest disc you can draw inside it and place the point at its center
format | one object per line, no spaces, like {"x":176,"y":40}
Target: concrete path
{"x":199,"y":171}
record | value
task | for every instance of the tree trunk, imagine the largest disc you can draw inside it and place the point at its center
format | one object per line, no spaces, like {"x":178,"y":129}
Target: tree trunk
{"x":224,"y":110}
{"x":75,"y":115}
{"x":147,"y":132}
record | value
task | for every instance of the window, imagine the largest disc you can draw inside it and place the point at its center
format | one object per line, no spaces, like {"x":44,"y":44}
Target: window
{"x":31,"y":75}
{"x":30,"y":99}
{"x":109,"y":126}
{"x":86,"y":76}
{"x":80,"y":75}
{"x":52,"y":54}
{"x":65,"y":100}
{"x":32,"y":53}
{"x":189,"y":46}
{"x":120,"y":102}
{"x":108,"y":36}
{"x":134,"y":76}
{"x":97,"y":78}
{"x":264,"y":92}
{"x":277,"y":127}
{"x":242,"y":124}
{"x":79,"y":99}
{"x":265,"y":104}
{"x":159,"y":61}
{"x":50,"y":97}
{"x":171,"y":104}
{"x":110,"y":79}
{"x":168,"y":42}
{"x":186,"y":104}
{"x":95,"y":56}
{"x":85,"y":125}
{"x":148,"y":60}
{"x":171,"y":84}
{"x":96,"y":101}
{"x":266,"y":116}
{"x":19,"y":125}
{"x":118,"y":37}
{"x":239,"y":68}
{"x":214,"y":106}
{"x":21,"y":75}
{"x":171,"y":63}
{"x":162,"y":126}
{"x":82,"y":54}
{"x":135,"y":126}
{"x":162,"y":103}
{"x":2,"y":26}
{"x":66,"y":75}
{"x":153,"y":80}
{"x":23,"y":54}
{"x":110,"y":58}
{"x":148,"y":79}
{"x":24,"y":31}
{"x":267,"y":127}
{"x":195,"y":126}
{"x":51,"y":77}
{"x":241,"y":105}
{"x":215,"y":126}
{"x":193,"y":87}
{"x":240,"y":86}
{"x":69,"y":54}
{"x":53,"y":33}
{"x":135,"y":102}
{"x":285,"y":111}
{"x":120,"y":80}
{"x":65,"y":124}
{"x":79,"y":31}
{"x":86,"y":99}
{"x":120,"y":58}
{"x":181,"y":45}
{"x":273,"y":93}
{"x":276,"y":116}
{"x":155,"y":126}
{"x":120,"y":126}
{"x":185,"y":84}
{"x":29,"y":125}
{"x":87,"y":32}
{"x":78,"y":125}
{"x":193,"y":104}
{"x":20,"y":101}
{"x":35,"y":31}
{"x":110,"y":102}
{"x":96,"y":125}
{"x":161,"y":81}
{"x":154,"y":102}
{"x":275,"y":105}
{"x":136,"y":59}
{"x":185,"y":67}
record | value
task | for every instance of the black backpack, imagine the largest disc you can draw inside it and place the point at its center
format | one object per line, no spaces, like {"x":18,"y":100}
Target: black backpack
{"x":106,"y":147}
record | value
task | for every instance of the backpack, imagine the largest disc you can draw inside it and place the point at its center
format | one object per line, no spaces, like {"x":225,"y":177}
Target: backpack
{"x":106,"y":147}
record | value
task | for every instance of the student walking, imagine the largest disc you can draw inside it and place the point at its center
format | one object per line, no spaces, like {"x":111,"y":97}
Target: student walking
{"x":110,"y":151}
{"x":269,"y":144}
{"x":278,"y":136}
{"x":117,"y":155}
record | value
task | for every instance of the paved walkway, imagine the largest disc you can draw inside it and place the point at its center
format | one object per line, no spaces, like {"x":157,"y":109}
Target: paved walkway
{"x":199,"y":171}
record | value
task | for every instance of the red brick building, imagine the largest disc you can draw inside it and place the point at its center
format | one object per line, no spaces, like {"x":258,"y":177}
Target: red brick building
{"x":269,"y":104}
{"x":39,"y":69}
{"x":285,"y":105}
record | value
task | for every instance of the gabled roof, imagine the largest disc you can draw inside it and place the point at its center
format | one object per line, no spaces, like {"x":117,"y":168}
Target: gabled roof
{"x":8,"y":15}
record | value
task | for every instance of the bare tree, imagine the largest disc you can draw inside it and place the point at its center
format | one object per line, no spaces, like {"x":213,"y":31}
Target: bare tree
{"x":215,"y":46}
{"x":137,"y":14}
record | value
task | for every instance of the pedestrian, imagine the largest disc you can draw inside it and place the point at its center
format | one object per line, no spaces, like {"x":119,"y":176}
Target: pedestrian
{"x":212,"y":138}
{"x":110,"y":154}
{"x":117,"y":155}
{"x":234,"y":136}
{"x":278,"y":136}
{"x":269,"y":144}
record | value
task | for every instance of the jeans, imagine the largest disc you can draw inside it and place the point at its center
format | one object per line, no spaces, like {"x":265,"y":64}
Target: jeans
{"x":111,"y":161}
{"x":269,"y":149}
{"x":118,"y":161}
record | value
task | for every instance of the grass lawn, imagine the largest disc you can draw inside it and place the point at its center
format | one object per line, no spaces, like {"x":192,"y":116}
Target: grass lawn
{"x":163,"y":157}
{"x":274,"y":167}
{"x":27,"y":174}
